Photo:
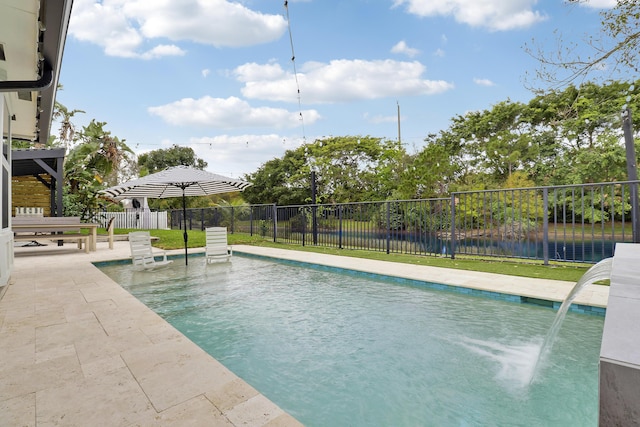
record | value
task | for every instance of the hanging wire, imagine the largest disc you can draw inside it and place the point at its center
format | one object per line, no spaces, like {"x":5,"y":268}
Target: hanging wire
{"x":295,"y":72}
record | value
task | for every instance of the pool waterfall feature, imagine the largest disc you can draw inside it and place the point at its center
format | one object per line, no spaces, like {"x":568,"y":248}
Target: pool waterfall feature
{"x":599,"y":271}
{"x":619,"y":370}
{"x":619,"y":367}
{"x":523,"y":363}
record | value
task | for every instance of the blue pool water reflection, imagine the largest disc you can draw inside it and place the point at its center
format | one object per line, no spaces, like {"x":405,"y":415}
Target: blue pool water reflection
{"x":342,"y":350}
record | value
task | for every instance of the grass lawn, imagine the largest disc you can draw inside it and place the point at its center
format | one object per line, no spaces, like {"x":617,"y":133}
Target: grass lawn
{"x":173,"y":239}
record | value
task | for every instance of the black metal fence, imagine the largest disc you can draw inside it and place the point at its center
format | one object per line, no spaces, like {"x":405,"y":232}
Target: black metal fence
{"x":579,"y":223}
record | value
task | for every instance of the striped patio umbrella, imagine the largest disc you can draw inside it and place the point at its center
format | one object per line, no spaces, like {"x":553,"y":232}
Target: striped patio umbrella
{"x":177,"y":181}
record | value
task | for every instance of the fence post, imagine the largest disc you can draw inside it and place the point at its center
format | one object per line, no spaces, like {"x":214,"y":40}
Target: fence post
{"x":275,"y":223}
{"x":545,"y":225}
{"x":388,"y":227}
{"x":340,"y":227}
{"x":250,"y":221}
{"x":314,"y":217}
{"x":453,"y":226}
{"x":304,"y":225}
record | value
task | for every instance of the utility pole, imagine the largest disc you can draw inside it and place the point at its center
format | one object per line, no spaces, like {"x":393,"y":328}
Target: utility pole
{"x":399,"y":138}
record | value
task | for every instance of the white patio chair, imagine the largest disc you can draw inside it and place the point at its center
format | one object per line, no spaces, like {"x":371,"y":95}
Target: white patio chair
{"x":142,"y":252}
{"x":217,"y":248}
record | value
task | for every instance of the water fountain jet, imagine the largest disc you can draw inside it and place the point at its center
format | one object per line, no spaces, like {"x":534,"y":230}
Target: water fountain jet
{"x":599,"y":271}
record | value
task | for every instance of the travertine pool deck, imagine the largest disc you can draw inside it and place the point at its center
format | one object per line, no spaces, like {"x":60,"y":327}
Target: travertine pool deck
{"x":78,"y":350}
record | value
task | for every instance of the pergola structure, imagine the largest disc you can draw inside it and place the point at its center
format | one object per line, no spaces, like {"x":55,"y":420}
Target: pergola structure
{"x":38,"y":162}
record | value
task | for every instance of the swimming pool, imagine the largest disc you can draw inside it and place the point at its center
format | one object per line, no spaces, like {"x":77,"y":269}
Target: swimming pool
{"x":342,"y":350}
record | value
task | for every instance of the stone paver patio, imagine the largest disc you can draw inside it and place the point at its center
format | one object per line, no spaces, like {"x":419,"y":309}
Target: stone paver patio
{"x":78,"y":350}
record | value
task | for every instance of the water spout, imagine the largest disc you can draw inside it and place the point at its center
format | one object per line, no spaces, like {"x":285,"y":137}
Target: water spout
{"x":600,"y":271}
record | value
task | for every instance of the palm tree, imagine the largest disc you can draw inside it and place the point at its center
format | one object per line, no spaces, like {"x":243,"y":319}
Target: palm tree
{"x":67,"y":131}
{"x":94,"y":162}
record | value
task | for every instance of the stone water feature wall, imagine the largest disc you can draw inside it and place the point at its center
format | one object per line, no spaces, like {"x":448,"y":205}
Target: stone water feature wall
{"x":620,"y":351}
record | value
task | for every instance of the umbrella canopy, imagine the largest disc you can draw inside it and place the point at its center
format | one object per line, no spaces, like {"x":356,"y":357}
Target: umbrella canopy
{"x":177,"y":181}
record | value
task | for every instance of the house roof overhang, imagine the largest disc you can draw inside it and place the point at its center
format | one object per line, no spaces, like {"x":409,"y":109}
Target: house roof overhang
{"x":32,"y":36}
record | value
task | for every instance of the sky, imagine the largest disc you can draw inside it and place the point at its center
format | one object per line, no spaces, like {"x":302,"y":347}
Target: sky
{"x":242,"y":82}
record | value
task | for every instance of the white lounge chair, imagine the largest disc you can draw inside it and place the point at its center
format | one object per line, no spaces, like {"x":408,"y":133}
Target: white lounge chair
{"x":217,"y":248}
{"x":142,"y":251}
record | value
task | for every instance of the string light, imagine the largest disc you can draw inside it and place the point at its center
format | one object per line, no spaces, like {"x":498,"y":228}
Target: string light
{"x":295,"y":72}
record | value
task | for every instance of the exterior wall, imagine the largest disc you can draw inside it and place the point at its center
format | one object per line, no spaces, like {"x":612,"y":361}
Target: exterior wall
{"x":6,"y":236}
{"x":28,"y":192}
{"x":620,"y":351}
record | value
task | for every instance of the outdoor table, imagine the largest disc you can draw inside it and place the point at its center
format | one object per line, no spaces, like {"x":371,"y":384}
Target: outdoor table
{"x":45,"y":227}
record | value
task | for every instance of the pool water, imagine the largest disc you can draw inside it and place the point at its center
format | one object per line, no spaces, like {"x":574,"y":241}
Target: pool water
{"x":342,"y":350}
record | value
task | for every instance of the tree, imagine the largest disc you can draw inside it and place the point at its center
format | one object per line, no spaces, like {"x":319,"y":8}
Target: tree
{"x":432,"y":170}
{"x":280,"y":181}
{"x":495,"y":142}
{"x":580,"y":123}
{"x":604,"y":162}
{"x":67,"y":131}
{"x":500,"y":139}
{"x":348,"y":168}
{"x":91,"y":165}
{"x":614,"y":50}
{"x":158,"y":160}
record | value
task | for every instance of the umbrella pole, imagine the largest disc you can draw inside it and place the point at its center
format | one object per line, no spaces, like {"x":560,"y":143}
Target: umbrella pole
{"x":184,"y":220}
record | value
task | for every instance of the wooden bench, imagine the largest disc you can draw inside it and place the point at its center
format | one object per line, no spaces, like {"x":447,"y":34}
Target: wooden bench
{"x":27,"y":228}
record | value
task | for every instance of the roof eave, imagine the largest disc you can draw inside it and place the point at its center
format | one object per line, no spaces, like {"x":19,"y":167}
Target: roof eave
{"x":57,"y":14}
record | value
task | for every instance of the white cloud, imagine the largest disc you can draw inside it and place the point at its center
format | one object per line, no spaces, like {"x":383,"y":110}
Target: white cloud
{"x":402,"y":48}
{"x":439,"y":52}
{"x":338,"y":81}
{"x":106,"y":25}
{"x":495,"y":15}
{"x":123,"y":27}
{"x":237,"y":155}
{"x":483,"y":82}
{"x":162,"y":50}
{"x":229,"y":113}
{"x":206,"y":72}
{"x":599,"y":4}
